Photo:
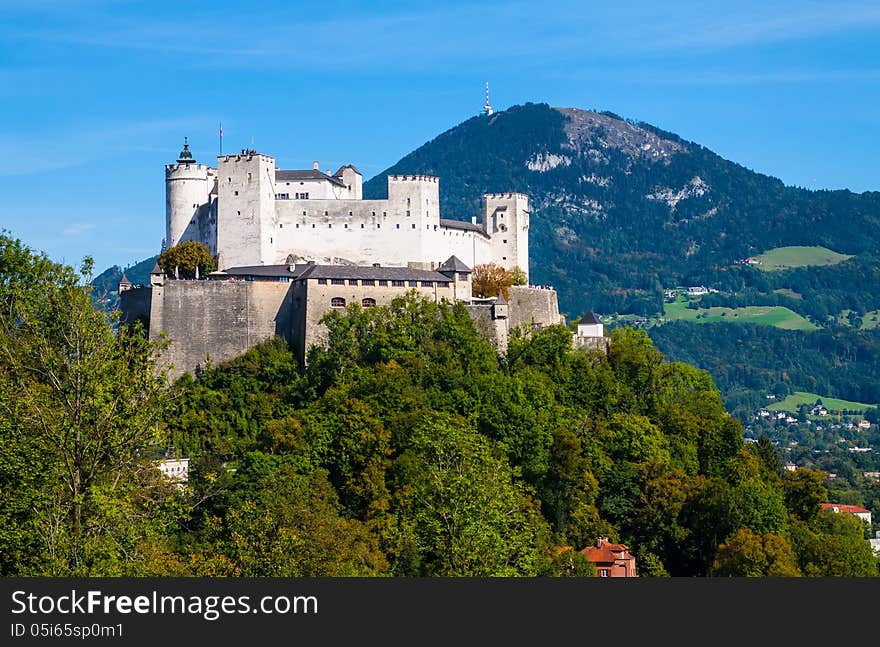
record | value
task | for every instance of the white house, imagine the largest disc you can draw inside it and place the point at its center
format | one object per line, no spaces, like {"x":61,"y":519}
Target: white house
{"x":856,"y":511}
{"x":175,"y":469}
{"x":590,"y":326}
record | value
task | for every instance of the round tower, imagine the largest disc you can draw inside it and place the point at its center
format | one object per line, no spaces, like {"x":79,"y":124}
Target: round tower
{"x":186,"y":191}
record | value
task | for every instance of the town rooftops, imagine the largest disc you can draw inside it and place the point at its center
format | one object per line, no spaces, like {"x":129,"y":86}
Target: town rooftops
{"x":590,"y":318}
{"x":841,"y":507}
{"x":310,"y":174}
{"x":461,"y":224}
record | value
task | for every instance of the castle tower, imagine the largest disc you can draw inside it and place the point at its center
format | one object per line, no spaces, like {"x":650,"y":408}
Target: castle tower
{"x":186,"y":191}
{"x":417,"y":199}
{"x":246,"y":209}
{"x":506,"y":221}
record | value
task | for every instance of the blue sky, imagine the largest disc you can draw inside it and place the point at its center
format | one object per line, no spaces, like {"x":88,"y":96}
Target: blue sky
{"x":96,"y":95}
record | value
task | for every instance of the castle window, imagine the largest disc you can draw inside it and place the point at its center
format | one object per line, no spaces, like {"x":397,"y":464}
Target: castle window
{"x":414,"y":225}
{"x":297,"y":225}
{"x":362,"y":225}
{"x":407,"y":204}
{"x":349,"y":214}
{"x":329,"y":225}
{"x":249,"y":177}
{"x":326,"y":213}
{"x":407,"y":213}
{"x":378,"y":226}
{"x":282,"y":196}
{"x":462,"y":276}
{"x":280,"y":225}
{"x":374,"y":214}
{"x":337,"y":281}
{"x":322,"y":281}
{"x":368,"y":282}
{"x":397,"y":226}
{"x":413,"y":284}
{"x":383,"y":283}
{"x":504,"y":241}
{"x":427,"y":284}
{"x":352,"y":281}
{"x":442,"y":284}
{"x":239,"y":213}
{"x":503,"y":258}
{"x":236,"y":193}
{"x":337,"y":302}
{"x":384,"y":214}
{"x":397,"y":284}
{"x":368,"y":302}
{"x":346,"y":225}
{"x":313,"y":225}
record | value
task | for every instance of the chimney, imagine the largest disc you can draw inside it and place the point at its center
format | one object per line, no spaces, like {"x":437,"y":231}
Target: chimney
{"x":316,"y":166}
{"x":375,"y":265}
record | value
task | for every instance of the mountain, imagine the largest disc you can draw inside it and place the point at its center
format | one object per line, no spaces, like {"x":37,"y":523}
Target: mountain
{"x":107,"y":282}
{"x":621,"y":210}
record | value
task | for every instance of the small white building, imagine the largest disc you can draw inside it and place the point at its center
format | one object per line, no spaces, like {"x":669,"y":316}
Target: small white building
{"x":790,"y":467}
{"x":875,"y":543}
{"x":175,"y":469}
{"x":590,"y":326}
{"x":697,"y":290}
{"x":856,"y":511}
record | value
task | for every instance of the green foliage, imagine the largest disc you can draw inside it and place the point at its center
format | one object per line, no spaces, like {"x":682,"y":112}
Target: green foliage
{"x":748,"y":554}
{"x":185,"y":258}
{"x":79,"y":411}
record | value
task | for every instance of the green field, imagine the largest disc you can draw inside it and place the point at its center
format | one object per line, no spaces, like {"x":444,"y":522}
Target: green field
{"x":798,"y":398}
{"x":791,"y":294}
{"x":766,"y":315}
{"x":783,"y":258}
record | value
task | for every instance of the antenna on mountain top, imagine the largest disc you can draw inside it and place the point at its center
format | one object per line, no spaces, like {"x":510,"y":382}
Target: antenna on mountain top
{"x":487,"y":109}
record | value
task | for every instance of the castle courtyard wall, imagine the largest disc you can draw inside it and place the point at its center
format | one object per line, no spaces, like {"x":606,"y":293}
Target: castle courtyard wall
{"x":533,"y":307}
{"x":216,"y":320}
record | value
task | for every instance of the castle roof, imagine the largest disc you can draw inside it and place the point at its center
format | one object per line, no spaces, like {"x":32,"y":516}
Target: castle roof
{"x":124,"y":280}
{"x":461,"y":224}
{"x":500,"y":301}
{"x":454,"y":264}
{"x":345,"y":166}
{"x":156,"y":269}
{"x":263,"y":270}
{"x":185,"y":155}
{"x":310,"y":174}
{"x":590,"y":318}
{"x":370,"y":273}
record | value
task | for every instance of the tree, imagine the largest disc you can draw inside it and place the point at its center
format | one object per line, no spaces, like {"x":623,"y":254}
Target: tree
{"x":461,"y":512}
{"x":82,"y":398}
{"x":184,"y":258}
{"x":804,"y":491}
{"x":748,"y":554}
{"x":490,"y":280}
{"x":518,"y":276}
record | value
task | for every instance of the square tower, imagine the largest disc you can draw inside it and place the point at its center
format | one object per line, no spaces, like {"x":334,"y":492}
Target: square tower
{"x":506,"y":221}
{"x":245,"y":210}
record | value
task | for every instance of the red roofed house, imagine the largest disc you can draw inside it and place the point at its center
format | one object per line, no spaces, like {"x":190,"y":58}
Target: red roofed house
{"x":611,"y":560}
{"x":861,"y":513}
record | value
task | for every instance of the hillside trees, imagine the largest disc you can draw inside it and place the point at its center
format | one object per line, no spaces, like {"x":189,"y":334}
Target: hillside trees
{"x":79,"y":409}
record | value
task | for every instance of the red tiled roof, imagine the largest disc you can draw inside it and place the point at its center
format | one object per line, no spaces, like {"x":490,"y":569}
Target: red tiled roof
{"x":841,"y":507}
{"x":605,"y":552}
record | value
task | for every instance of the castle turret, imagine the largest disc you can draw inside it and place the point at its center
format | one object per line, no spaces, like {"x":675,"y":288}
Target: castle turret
{"x":506,"y":221}
{"x":186,"y":191}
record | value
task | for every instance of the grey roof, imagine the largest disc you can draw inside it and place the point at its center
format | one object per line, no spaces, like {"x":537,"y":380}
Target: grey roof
{"x":156,"y":269}
{"x":124,"y":280}
{"x":263,"y":270}
{"x":311,"y":174}
{"x":590,"y":318}
{"x":454,"y":264}
{"x":345,"y":166}
{"x":461,"y":224}
{"x":371,"y":272}
{"x":500,"y":301}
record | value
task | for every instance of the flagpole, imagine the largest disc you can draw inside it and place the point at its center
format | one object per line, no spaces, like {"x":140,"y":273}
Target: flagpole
{"x":221,"y":138}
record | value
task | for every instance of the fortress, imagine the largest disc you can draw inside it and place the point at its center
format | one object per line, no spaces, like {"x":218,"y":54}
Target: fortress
{"x":249,"y":212}
{"x":291,"y":245}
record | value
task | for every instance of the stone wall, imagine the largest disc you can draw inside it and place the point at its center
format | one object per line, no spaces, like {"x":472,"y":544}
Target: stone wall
{"x":219,"y":320}
{"x":135,"y":303}
{"x":495,"y":330}
{"x":533,"y":306}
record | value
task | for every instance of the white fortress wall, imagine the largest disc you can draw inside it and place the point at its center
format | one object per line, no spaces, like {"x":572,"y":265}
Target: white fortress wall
{"x":186,"y":190}
{"x":246,"y":214}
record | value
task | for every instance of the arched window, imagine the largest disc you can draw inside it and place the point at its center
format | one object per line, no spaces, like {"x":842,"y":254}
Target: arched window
{"x":337,"y":302}
{"x":368,"y":302}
